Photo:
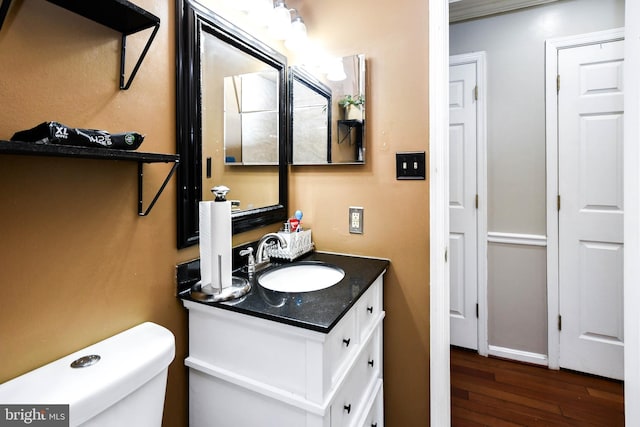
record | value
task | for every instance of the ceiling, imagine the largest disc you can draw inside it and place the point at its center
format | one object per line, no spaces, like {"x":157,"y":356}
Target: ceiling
{"x":460,"y":10}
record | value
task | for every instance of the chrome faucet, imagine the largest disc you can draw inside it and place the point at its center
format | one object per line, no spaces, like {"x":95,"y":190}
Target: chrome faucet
{"x":263,"y":244}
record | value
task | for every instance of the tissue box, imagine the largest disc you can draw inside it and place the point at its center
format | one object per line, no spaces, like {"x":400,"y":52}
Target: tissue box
{"x":298,"y":244}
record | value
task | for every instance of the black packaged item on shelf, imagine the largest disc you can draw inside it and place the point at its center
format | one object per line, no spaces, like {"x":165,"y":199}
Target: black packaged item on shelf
{"x":57,"y":133}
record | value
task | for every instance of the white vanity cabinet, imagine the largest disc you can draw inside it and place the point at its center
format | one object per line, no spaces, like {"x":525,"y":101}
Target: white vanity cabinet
{"x":249,"y":371}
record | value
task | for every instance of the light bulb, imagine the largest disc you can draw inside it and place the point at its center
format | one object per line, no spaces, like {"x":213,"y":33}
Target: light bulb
{"x":297,"y":39}
{"x":335,"y":71}
{"x":280,"y":24}
{"x":242,"y":5}
{"x":260,"y":11}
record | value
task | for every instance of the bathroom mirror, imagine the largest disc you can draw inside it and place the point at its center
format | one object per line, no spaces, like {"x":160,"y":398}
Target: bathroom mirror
{"x":310,"y":124}
{"x":231,"y":122}
{"x":331,"y":101}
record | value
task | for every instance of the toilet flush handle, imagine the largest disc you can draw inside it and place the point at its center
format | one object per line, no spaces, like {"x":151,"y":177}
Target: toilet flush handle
{"x":85,"y":361}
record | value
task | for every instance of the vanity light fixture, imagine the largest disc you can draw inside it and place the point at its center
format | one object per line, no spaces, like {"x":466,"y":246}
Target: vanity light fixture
{"x":297,"y":39}
{"x":280,"y":23}
{"x":244,"y":5}
{"x":259,"y":11}
{"x":335,"y":70}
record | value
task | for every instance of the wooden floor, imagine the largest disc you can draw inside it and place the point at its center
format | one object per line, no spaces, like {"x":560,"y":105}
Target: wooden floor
{"x":499,"y":393}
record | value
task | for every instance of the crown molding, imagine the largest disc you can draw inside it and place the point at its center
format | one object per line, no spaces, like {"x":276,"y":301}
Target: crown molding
{"x":468,"y":9}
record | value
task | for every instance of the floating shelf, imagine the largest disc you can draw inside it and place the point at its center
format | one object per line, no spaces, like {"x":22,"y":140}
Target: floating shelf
{"x":119,"y":15}
{"x":54,"y":150}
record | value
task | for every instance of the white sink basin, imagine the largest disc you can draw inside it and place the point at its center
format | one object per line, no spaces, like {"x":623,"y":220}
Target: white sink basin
{"x":301,"y":277}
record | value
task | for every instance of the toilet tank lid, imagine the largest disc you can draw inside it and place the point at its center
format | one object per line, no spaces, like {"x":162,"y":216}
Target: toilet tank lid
{"x":127,"y":361}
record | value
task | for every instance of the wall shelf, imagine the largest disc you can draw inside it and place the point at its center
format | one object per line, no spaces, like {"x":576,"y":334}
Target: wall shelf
{"x":349,"y":125}
{"x":53,"y":150}
{"x":119,"y":15}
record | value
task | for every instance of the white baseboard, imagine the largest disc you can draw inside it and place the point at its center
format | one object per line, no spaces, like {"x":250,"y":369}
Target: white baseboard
{"x":519,"y":355}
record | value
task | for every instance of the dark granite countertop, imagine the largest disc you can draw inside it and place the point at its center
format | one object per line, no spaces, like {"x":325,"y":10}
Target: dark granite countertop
{"x":317,"y":310}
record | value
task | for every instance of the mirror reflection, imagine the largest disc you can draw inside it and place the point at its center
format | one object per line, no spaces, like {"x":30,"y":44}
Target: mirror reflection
{"x":251,"y":118}
{"x":231,"y":122}
{"x":240,"y":124}
{"x":327,"y":112}
{"x":310,"y":105}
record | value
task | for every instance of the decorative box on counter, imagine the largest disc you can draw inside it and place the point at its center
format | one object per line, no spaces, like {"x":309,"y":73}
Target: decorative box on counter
{"x":298,"y":244}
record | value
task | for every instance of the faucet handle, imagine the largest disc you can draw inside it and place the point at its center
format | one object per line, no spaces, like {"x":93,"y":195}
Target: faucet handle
{"x":247,"y":251}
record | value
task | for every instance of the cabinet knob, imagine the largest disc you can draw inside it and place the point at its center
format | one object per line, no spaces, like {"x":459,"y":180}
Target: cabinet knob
{"x":347,"y":408}
{"x":346,"y":341}
{"x":370,"y":363}
{"x":370,"y":309}
{"x":374,"y":424}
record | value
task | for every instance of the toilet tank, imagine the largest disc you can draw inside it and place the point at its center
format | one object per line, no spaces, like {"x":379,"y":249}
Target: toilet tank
{"x":124,"y":387}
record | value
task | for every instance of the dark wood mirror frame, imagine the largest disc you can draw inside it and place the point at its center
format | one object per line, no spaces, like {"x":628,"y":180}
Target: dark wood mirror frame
{"x":190,"y":16}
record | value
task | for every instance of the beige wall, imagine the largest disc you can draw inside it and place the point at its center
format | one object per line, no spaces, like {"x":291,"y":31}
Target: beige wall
{"x":79,"y":265}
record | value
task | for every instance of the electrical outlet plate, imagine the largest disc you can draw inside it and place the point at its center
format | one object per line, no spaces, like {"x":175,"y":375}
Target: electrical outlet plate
{"x":411,"y":165}
{"x":356,"y":225}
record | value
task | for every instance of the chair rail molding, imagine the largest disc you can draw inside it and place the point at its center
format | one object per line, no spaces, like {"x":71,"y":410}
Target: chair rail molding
{"x":517,"y":239}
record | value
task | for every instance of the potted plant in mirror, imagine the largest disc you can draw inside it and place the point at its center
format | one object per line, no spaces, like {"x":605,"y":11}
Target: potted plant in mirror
{"x":352,"y":105}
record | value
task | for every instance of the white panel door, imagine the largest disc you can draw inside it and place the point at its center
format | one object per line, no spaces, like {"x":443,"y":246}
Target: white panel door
{"x":590,"y":172}
{"x":462,"y":208}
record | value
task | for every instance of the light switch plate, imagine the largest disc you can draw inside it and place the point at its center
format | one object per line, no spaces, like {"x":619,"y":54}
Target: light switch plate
{"x":411,"y":165}
{"x":356,"y":225}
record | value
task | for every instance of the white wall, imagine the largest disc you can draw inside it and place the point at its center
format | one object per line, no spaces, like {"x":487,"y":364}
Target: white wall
{"x":514,"y":43}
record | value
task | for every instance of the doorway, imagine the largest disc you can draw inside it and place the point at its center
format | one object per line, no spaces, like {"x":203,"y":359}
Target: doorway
{"x":438,"y":159}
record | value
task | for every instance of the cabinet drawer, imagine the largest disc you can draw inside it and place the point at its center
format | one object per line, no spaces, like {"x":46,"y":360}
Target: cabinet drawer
{"x":375,"y":415}
{"x":342,"y":343}
{"x":350,"y":402}
{"x":369,"y":307}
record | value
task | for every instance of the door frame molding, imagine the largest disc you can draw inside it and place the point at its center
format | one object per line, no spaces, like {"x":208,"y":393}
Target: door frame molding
{"x":632,"y":214}
{"x":552,"y":47}
{"x":439,"y":306}
{"x":480,"y":59}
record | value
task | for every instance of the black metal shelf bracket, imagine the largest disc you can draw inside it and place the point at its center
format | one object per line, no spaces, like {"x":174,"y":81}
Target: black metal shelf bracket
{"x":141,"y":210}
{"x":123,"y":50}
{"x":119,"y":15}
{"x":96,"y":153}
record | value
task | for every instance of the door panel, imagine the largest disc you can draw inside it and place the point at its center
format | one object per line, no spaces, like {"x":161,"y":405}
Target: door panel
{"x":590,"y":171}
{"x":601,"y":306}
{"x":457,"y":277}
{"x":462,"y":211}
